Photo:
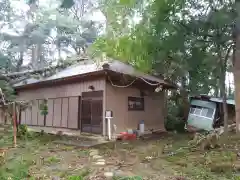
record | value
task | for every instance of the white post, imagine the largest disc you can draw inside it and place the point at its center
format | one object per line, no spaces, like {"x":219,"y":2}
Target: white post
{"x":109,"y":116}
{"x":109,"y":128}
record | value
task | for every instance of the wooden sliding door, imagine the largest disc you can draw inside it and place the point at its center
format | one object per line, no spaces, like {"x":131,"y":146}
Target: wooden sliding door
{"x":92,"y":112}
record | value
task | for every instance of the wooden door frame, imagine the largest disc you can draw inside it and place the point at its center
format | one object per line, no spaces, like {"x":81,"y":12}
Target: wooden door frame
{"x":80,"y":113}
{"x":90,"y":95}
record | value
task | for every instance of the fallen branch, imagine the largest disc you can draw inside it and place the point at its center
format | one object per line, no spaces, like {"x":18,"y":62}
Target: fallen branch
{"x":220,"y":130}
{"x":42,"y":70}
{"x":210,"y":140}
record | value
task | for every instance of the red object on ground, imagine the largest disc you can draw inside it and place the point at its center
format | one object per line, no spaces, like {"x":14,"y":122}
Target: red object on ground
{"x":126,"y":136}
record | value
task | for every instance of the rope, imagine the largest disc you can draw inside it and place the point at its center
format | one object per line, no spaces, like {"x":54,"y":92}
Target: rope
{"x":125,"y":86}
{"x":114,"y":85}
{"x":152,"y":84}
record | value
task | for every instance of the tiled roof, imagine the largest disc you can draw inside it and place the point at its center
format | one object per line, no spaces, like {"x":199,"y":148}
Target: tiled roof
{"x":92,"y":66}
{"x":229,"y":101}
{"x":214,"y":99}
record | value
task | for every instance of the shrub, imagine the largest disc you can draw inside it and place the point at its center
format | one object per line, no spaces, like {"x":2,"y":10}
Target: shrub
{"x":179,"y":126}
{"x":172,"y":124}
{"x":22,"y":130}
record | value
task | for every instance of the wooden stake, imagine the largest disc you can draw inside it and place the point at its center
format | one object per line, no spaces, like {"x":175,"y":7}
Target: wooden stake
{"x":14,"y":125}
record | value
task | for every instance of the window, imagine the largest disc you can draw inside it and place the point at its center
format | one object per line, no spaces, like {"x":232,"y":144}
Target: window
{"x":202,"y":111}
{"x":192,"y":110}
{"x":135,"y":103}
{"x":210,"y":113}
{"x":198,"y":111}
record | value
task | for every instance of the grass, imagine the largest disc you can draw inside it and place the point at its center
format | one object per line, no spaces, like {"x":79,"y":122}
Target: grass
{"x":212,"y":164}
{"x":52,"y":160}
{"x":84,"y":173}
{"x":173,"y":157}
{"x":37,"y":156}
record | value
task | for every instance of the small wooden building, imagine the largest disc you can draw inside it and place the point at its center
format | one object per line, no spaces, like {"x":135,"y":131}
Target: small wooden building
{"x":206,"y":113}
{"x":78,"y":96}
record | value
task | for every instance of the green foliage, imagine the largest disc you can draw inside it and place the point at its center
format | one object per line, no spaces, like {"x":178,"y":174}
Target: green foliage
{"x":175,"y":125}
{"x":84,"y":173}
{"x":8,"y":90}
{"x":190,"y":49}
{"x":175,"y":117}
{"x":67,"y":4}
{"x":44,"y":107}
{"x":22,"y":130}
{"x":16,"y":170}
{"x":172,"y":41}
{"x":236,"y":178}
{"x":52,"y":160}
{"x":75,"y":178}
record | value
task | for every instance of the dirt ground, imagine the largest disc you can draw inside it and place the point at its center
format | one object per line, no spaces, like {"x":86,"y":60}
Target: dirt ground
{"x":164,"y":158}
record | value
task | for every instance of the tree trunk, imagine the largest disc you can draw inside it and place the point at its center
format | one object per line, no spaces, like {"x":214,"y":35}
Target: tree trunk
{"x":14,"y":125}
{"x":229,"y":86}
{"x":41,"y":58}
{"x":223,"y":95}
{"x":184,"y":95}
{"x":34,"y":57}
{"x":59,"y":52}
{"x":20,"y":61}
{"x":216,"y":91}
{"x":222,"y":83}
{"x":236,"y":65}
{"x":236,"y":72}
{"x":44,"y":120}
{"x":19,"y":115}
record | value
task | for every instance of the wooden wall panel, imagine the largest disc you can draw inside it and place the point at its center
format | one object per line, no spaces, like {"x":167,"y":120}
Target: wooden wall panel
{"x":73,"y":113}
{"x":64,"y":112}
{"x":153,"y":116}
{"x":58,"y":91}
{"x":23,"y":117}
{"x":40,"y":115}
{"x":35,"y":113}
{"x":57,"y":112}
{"x":49,"y":118}
{"x":28,"y":116}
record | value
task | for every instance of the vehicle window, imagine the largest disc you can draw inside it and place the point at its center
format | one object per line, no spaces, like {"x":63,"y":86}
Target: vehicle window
{"x":209,"y":113}
{"x":192,"y":110}
{"x":204,"y":112}
{"x":198,"y":111}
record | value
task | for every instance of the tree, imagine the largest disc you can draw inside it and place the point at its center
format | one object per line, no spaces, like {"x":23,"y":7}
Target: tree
{"x":29,"y":39}
{"x":191,"y":49}
{"x":236,"y":63}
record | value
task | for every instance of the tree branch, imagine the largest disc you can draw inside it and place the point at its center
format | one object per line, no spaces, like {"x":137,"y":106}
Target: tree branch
{"x":28,"y":72}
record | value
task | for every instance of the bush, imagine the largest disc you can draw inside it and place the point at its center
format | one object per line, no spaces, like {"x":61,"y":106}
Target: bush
{"x":175,"y":125}
{"x":169,"y":125}
{"x":22,"y":130}
{"x":180,"y":126}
